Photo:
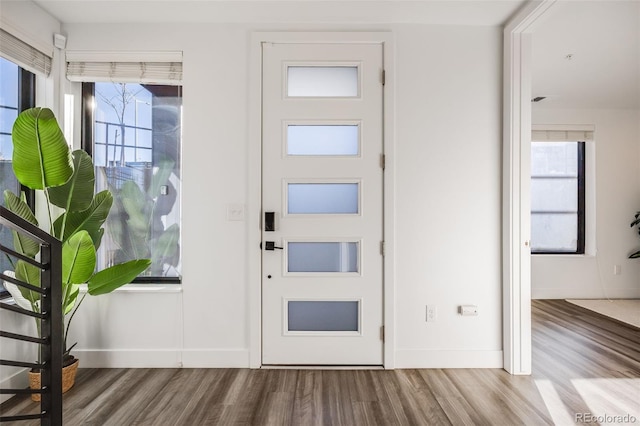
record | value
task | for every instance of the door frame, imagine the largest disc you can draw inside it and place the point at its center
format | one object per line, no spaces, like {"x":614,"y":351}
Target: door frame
{"x":254,"y":179}
{"x":516,"y":215}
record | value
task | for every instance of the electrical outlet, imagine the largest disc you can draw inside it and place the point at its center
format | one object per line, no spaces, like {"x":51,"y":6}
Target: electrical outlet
{"x":432,"y":313}
{"x":468,"y":310}
{"x":617,"y":269}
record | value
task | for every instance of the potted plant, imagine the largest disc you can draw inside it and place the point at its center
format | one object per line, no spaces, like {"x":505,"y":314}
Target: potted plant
{"x":43,"y":161}
{"x":636,"y":222}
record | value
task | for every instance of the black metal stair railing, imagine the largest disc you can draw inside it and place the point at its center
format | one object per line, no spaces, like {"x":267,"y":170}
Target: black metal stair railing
{"x":51,"y":320}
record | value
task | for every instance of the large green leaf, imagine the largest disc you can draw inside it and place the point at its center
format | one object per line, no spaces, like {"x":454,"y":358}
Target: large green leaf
{"x":22,"y":243}
{"x":116,"y":276}
{"x":41,"y":156}
{"x":78,"y":259}
{"x":97,"y":238}
{"x":70,"y":298}
{"x":28,"y":273}
{"x":90,"y":220}
{"x":76,"y":195}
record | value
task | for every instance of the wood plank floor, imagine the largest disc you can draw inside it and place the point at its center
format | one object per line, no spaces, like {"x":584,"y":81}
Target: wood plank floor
{"x":583,"y":363}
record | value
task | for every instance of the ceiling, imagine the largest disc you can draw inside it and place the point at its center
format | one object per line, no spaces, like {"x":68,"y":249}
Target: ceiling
{"x":586,"y":54}
{"x":449,"y":12}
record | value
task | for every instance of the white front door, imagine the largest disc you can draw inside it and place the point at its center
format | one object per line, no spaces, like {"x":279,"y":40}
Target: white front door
{"x":322,"y":201}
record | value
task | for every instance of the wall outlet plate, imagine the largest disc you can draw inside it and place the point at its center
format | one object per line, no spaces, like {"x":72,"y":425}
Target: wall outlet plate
{"x":468,"y":310}
{"x":432,"y":313}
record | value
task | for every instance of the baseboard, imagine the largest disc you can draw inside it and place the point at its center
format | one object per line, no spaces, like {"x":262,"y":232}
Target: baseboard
{"x":215,"y":358}
{"x":163,"y":358}
{"x":585,"y":293}
{"x":239,"y":358}
{"x":124,"y":358}
{"x":18,"y":380}
{"x":421,"y":358}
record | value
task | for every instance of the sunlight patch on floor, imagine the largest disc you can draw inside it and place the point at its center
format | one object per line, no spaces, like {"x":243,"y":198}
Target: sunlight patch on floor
{"x":557,"y":409}
{"x":604,"y":399}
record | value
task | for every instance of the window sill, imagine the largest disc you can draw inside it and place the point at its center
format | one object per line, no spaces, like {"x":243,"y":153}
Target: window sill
{"x":144,"y":288}
{"x":564,"y":256}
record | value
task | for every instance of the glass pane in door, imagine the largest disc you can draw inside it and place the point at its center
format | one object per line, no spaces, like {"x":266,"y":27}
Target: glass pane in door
{"x":319,"y":140}
{"x":322,"y":315}
{"x":322,"y":257}
{"x":322,"y":82}
{"x":322,"y":198}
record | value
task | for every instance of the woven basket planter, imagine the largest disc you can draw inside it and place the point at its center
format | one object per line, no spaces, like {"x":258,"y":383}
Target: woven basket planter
{"x":68,"y":379}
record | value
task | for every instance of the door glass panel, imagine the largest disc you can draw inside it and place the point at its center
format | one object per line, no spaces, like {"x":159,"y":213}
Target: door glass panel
{"x":322,"y":140}
{"x":322,"y":81}
{"x":322,"y":198}
{"x":322,"y":257}
{"x":306,"y":315}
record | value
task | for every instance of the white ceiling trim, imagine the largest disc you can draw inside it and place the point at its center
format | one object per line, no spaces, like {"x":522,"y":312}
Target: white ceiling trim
{"x":444,"y":12}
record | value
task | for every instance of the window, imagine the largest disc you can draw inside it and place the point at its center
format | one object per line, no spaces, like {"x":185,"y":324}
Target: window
{"x":17,"y":93}
{"x":133,"y":133}
{"x":558,"y":197}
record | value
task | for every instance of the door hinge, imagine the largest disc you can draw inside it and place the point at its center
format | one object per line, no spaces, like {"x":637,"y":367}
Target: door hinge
{"x":384,"y":77}
{"x":382,"y":333}
{"x":382,"y":248}
{"x":383,"y":161}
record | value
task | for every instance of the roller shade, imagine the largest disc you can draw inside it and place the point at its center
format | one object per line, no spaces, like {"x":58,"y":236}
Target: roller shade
{"x":125,"y":67}
{"x":561,"y":135}
{"x":23,"y":54}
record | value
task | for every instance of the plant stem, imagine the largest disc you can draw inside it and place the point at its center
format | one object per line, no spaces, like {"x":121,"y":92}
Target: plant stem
{"x":34,"y":308}
{"x":66,"y":331}
{"x":46,"y":195}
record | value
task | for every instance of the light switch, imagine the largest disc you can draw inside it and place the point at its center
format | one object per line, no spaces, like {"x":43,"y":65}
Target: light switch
{"x":235,"y":212}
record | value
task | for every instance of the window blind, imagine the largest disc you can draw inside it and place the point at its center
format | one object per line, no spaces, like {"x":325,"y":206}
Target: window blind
{"x":23,"y":54}
{"x":127,"y":67}
{"x":561,"y":135}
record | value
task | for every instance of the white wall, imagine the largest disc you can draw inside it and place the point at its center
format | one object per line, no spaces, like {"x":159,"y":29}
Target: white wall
{"x":617,"y":195}
{"x":448,"y":195}
{"x":448,"y":162}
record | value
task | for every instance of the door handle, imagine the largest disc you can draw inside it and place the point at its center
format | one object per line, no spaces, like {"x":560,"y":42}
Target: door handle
{"x":271,"y":246}
{"x":269,"y":221}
